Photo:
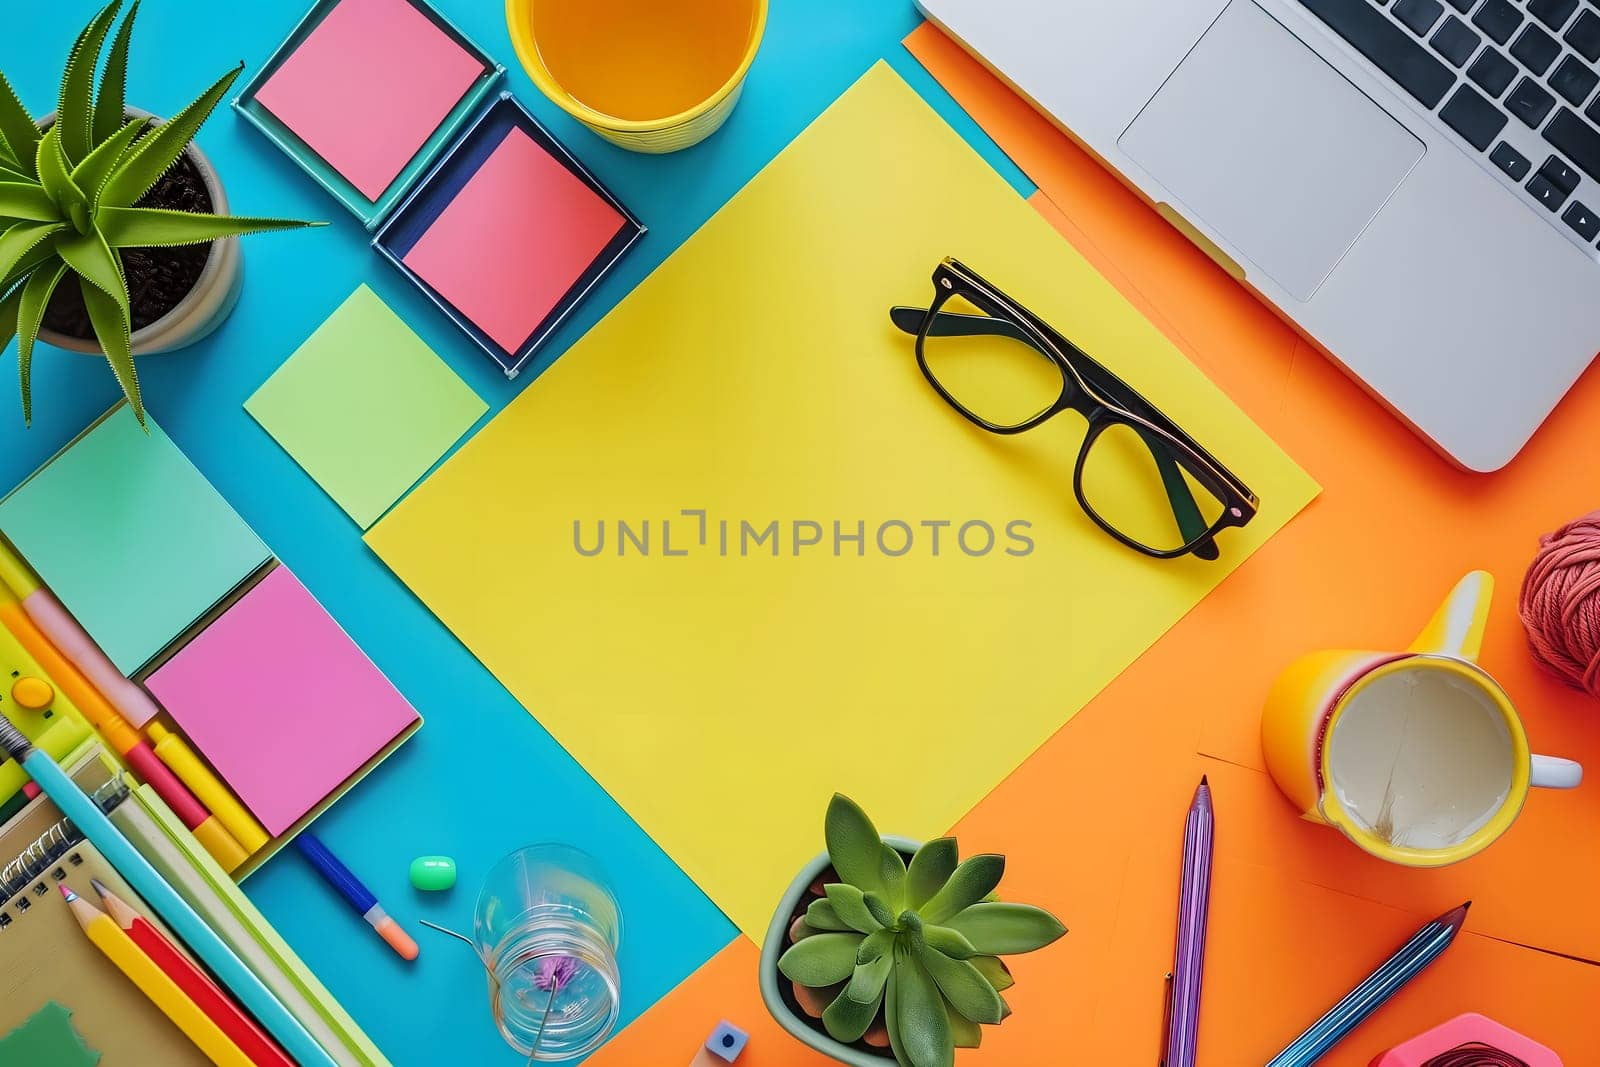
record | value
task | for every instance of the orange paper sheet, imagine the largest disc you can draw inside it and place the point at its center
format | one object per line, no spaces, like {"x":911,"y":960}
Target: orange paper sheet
{"x":1092,"y":821}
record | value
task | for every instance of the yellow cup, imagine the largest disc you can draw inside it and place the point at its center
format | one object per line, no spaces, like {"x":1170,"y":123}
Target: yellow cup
{"x":1309,"y":710}
{"x":649,"y":75}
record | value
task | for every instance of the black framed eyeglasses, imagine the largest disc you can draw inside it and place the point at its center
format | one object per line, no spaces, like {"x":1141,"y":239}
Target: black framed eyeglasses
{"x":1139,"y":476}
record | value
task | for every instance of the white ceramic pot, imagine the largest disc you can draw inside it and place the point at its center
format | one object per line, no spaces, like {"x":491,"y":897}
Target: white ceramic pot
{"x":206,"y":306}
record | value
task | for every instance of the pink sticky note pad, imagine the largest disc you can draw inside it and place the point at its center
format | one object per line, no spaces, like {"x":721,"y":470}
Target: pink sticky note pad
{"x":280,"y":701}
{"x":516,"y":237}
{"x":368,"y":86}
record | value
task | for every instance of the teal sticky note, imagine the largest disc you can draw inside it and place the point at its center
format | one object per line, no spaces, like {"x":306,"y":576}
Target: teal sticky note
{"x":130,"y":537}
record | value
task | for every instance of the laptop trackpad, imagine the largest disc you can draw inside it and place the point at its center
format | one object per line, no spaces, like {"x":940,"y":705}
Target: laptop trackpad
{"x":1272,"y":149}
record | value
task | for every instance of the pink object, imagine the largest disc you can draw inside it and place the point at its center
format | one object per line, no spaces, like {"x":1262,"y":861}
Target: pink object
{"x":79,"y":649}
{"x":1468,"y":1030}
{"x":281,"y":701}
{"x":516,"y":238}
{"x":1560,"y":603}
{"x":368,"y":86}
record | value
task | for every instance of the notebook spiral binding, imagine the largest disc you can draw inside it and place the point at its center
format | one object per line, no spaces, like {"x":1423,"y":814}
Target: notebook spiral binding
{"x":54,"y":843}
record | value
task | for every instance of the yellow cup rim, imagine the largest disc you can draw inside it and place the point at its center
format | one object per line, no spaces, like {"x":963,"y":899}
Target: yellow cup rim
{"x":1521,"y":768}
{"x":518,"y":22}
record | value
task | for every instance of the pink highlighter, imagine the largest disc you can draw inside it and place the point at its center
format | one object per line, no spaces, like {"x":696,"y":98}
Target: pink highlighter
{"x":1463,"y":1033}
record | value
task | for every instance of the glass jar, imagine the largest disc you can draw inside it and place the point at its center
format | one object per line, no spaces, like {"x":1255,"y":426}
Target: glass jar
{"x":547,"y":929}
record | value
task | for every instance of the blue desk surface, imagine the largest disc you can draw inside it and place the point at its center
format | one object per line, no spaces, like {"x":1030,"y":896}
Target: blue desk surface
{"x":482,"y":777}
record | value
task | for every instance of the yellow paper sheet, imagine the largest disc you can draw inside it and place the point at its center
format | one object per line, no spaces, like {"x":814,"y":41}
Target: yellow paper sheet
{"x":721,"y":698}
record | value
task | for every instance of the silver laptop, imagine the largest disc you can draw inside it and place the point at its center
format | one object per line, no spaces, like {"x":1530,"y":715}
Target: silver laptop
{"x":1415,"y":184}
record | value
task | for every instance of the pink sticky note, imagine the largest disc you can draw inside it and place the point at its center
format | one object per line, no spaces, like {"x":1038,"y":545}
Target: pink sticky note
{"x":517,"y":236}
{"x":368,"y":87}
{"x":280,"y":701}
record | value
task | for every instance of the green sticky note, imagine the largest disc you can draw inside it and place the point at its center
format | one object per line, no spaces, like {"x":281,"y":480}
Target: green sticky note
{"x":47,"y":1039}
{"x":365,"y":407}
{"x":130,"y":537}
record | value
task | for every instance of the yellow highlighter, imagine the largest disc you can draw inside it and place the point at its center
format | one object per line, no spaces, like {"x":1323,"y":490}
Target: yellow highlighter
{"x":181,"y":760}
{"x":153,"y":982}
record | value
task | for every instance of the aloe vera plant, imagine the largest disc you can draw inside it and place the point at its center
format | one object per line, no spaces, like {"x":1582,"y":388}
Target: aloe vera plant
{"x":917,"y":946}
{"x":70,"y":198}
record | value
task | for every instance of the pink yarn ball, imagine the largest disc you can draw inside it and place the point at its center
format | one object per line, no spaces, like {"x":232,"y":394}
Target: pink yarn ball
{"x":1560,"y":603}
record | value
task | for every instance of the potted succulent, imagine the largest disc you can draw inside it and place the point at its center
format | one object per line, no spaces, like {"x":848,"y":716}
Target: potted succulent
{"x":114,"y":232}
{"x":884,"y":951}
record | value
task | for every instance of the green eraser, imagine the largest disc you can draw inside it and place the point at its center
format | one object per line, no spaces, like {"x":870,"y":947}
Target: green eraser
{"x":433,"y":873}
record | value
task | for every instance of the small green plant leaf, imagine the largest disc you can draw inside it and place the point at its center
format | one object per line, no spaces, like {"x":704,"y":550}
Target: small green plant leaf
{"x":994,"y":969}
{"x":35,"y":257}
{"x":879,"y":909}
{"x":924,"y":1024}
{"x":967,"y":1034}
{"x":27,"y":200}
{"x":1001,"y":929}
{"x":821,"y":960}
{"x":820,"y":915}
{"x":850,"y":905}
{"x":892,"y":873}
{"x":946,"y":940}
{"x":1005,"y":1012}
{"x":141,"y":168}
{"x":854,"y":845}
{"x":17,"y":242}
{"x":867,"y":981}
{"x":91,"y":174}
{"x":109,"y":318}
{"x":75,"y":109}
{"x":891,"y":1011}
{"x":967,"y":990}
{"x":974,"y":879}
{"x":149,"y":227}
{"x":35,"y":297}
{"x":111,"y":102}
{"x":96,"y":263}
{"x":876,"y":946}
{"x":930,"y":869}
{"x":18,"y":128}
{"x":846,"y":1019}
{"x":57,"y":181}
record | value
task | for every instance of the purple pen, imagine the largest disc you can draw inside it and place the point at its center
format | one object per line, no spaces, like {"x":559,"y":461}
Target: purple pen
{"x":1194,"y":904}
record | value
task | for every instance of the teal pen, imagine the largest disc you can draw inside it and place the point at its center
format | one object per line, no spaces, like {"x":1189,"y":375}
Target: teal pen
{"x":133,"y":867}
{"x":1425,"y":946}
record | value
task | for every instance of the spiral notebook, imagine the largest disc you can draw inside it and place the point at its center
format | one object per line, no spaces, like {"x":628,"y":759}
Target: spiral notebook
{"x":47,"y":957}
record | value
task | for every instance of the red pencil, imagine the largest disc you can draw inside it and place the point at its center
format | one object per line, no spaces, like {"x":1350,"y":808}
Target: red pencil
{"x":206,"y":994}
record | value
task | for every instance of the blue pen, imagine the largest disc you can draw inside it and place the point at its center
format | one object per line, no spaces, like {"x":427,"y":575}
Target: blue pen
{"x":133,"y":867}
{"x":360,"y":897}
{"x":1425,"y":946}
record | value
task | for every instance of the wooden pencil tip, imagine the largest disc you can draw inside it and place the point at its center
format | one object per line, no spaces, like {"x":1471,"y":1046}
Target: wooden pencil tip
{"x":67,"y":892}
{"x":100,"y":888}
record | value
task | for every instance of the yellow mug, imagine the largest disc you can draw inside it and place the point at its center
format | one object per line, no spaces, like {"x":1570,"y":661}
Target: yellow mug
{"x":1419,"y":756}
{"x":649,"y":75}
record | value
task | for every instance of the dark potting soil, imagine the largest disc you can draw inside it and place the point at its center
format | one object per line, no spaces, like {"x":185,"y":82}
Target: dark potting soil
{"x":158,"y":278}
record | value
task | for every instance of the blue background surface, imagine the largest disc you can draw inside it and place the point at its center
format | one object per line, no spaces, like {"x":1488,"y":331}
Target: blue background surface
{"x":483,"y":777}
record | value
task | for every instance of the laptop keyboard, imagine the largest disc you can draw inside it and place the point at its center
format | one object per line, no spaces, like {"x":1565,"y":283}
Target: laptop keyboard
{"x":1516,"y":80}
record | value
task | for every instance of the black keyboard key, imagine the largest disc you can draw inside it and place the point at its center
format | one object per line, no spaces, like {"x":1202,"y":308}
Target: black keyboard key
{"x":1418,"y":15}
{"x":1511,"y":161}
{"x":1584,"y":35}
{"x":1498,"y":19}
{"x":1560,"y":174}
{"x":1585,"y":223}
{"x":1594,"y":111}
{"x":1536,"y":49}
{"x":1553,"y":13}
{"x":1463,"y":6}
{"x":1456,"y":42}
{"x":1386,"y":45}
{"x":1493,"y":72}
{"x":1574,"y":81}
{"x":1577,"y":140}
{"x":1474,"y":118}
{"x":1547,"y":195}
{"x":1530,"y":103}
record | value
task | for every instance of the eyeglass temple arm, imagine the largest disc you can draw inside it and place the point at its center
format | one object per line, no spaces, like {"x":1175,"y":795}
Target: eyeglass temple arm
{"x":949,"y":324}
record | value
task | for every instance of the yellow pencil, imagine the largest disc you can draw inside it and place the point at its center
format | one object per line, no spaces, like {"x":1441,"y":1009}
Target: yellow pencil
{"x":153,"y":982}
{"x":181,"y":760}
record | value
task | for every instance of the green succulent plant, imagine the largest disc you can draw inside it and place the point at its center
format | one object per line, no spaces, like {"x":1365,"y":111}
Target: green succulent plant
{"x":916,"y":945}
{"x":70,"y":198}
